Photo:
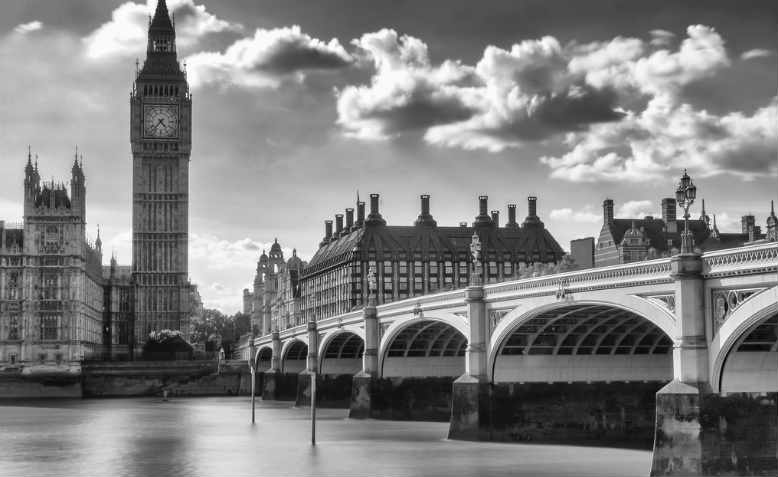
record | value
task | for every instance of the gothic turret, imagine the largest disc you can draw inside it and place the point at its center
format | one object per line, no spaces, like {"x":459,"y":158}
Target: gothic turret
{"x":703,"y":216}
{"x":772,"y":224}
{"x":98,"y":242}
{"x":78,"y":186}
{"x":32,"y":183}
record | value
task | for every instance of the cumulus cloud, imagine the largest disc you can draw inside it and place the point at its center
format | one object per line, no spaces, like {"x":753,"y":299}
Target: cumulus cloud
{"x":126,"y":33}
{"x":667,"y":136}
{"x":567,"y":215}
{"x":28,"y":27}
{"x":661,"y":37}
{"x":636,"y":208}
{"x":524,"y":94}
{"x":536,"y":90}
{"x":756,"y":53}
{"x":584,"y":94}
{"x":406,"y":92}
{"x":267,"y":58}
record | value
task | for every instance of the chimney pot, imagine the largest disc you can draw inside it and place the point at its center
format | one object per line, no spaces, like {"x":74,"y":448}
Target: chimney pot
{"x":511,"y":215}
{"x":496,"y":217}
{"x":375,"y":214}
{"x":532,"y":203}
{"x":360,"y":213}
{"x":338,"y":224}
{"x":327,"y":229}
{"x":425,"y":205}
{"x":349,"y":218}
{"x":483,"y":205}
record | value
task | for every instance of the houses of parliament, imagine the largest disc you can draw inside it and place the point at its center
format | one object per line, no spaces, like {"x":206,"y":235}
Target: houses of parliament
{"x":58,"y":303}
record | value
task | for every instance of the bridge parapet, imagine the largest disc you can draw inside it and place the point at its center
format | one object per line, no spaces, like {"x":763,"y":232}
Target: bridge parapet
{"x":615,"y":276}
{"x":751,"y":259}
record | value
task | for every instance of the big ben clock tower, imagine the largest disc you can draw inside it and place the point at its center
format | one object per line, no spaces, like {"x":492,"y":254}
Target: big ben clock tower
{"x":161,"y":139}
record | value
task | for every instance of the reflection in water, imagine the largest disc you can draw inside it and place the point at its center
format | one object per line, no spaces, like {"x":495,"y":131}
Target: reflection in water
{"x":213,"y":436}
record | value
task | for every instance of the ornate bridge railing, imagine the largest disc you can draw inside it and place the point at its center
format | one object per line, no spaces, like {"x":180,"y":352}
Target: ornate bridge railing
{"x":748,"y":260}
{"x":615,"y":276}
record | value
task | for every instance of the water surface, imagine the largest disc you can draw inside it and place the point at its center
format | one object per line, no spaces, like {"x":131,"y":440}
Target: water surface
{"x":214,"y":436}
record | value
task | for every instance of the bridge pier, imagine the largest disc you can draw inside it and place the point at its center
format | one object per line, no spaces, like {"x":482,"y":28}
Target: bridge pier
{"x":678,"y":432}
{"x":311,"y":369}
{"x":271,"y":381}
{"x":471,"y":392}
{"x":363,"y":384}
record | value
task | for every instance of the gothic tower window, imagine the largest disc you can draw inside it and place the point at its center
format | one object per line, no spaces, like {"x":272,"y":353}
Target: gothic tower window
{"x":13,"y":327}
{"x":49,"y":327}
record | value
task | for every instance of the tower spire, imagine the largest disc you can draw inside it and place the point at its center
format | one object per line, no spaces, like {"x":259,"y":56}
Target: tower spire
{"x":28,"y":169}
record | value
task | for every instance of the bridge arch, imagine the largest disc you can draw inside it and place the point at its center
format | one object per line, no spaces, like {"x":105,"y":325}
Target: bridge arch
{"x":754,"y":325}
{"x":583,"y":340}
{"x":424,"y":347}
{"x":341,"y":351}
{"x":294,"y":354}
{"x":263,"y":357}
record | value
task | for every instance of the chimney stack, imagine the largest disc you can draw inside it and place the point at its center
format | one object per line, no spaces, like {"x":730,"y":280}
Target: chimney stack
{"x":338,"y":224}
{"x":375,"y":214}
{"x":425,"y":205}
{"x":512,"y":216}
{"x":496,"y":218}
{"x":349,"y":219}
{"x":360,"y":214}
{"x":425,"y":217}
{"x":483,"y":213}
{"x":327,"y":233}
{"x":482,"y":204}
{"x":607,"y":211}
{"x":532,"y":206}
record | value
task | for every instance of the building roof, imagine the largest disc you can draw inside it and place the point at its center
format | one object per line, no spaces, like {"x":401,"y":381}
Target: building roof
{"x":376,"y":241}
{"x":656,"y":231}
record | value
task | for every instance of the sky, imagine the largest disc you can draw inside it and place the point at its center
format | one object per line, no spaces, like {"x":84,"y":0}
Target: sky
{"x":299,"y":106}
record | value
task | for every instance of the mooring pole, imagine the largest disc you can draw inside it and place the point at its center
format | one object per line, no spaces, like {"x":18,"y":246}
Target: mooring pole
{"x":313,"y":408}
{"x":253,"y":383}
{"x":253,"y":367}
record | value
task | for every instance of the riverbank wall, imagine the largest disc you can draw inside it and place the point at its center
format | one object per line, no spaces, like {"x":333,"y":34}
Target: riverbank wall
{"x":178,"y":378}
{"x":41,"y":381}
{"x":126,"y":379}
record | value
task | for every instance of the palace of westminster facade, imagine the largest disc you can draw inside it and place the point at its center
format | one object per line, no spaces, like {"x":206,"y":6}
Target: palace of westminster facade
{"x":58,"y":303}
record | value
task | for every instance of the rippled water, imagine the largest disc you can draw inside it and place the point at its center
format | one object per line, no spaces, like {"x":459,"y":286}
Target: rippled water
{"x":213,"y":436}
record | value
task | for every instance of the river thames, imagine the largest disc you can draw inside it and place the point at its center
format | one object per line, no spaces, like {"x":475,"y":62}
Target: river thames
{"x":213,"y":436}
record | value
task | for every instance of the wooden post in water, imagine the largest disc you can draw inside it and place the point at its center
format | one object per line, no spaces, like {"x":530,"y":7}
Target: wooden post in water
{"x":313,"y":408}
{"x":253,"y":368}
{"x":253,"y":380}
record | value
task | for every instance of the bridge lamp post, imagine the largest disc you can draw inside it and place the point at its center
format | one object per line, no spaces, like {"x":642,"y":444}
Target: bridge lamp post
{"x":685,"y":195}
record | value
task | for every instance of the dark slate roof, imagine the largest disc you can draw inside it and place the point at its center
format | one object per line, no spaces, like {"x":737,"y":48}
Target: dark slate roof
{"x":725,"y":240}
{"x":161,"y":20}
{"x":656,"y":233}
{"x":531,"y":242}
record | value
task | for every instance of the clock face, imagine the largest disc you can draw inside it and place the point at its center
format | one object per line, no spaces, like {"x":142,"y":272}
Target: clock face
{"x":160,"y":121}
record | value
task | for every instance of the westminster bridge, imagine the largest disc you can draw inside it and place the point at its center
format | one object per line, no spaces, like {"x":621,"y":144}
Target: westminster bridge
{"x":681,"y":352}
